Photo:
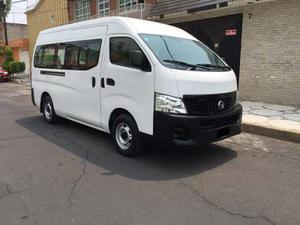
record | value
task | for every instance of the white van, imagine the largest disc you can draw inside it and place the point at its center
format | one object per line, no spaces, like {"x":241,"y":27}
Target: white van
{"x":135,"y":79}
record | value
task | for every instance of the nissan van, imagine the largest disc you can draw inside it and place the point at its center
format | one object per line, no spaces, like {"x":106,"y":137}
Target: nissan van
{"x":137,"y":80}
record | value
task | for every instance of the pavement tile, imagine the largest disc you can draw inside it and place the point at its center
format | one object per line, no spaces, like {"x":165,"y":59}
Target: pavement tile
{"x":279,"y":107}
{"x":267,"y":112}
{"x":294,"y":117}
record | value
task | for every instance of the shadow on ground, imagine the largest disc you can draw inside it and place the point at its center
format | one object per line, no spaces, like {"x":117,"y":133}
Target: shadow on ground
{"x":154,"y":164}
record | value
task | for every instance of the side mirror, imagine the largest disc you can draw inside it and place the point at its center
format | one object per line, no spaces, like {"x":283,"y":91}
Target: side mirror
{"x":138,"y":59}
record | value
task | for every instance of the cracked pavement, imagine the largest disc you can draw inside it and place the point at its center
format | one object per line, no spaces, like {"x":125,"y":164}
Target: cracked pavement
{"x":70,"y":174}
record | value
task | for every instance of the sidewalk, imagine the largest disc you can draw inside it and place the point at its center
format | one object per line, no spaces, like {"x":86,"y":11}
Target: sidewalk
{"x":282,"y":122}
{"x":26,"y":80}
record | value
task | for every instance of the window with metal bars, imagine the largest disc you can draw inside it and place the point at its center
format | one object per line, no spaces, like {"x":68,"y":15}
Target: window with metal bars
{"x":103,"y":8}
{"x":82,"y":10}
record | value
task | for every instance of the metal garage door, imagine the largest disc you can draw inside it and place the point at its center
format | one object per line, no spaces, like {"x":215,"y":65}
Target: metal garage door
{"x":222,"y":34}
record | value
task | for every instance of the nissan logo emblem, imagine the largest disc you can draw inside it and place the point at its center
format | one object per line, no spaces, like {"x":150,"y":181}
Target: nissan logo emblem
{"x":221,"y":105}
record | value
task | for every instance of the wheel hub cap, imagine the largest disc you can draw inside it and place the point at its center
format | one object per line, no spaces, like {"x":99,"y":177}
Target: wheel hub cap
{"x":48,"y":110}
{"x":123,"y":136}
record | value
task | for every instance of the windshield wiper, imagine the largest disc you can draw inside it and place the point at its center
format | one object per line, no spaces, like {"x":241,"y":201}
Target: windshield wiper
{"x":191,"y":66}
{"x":214,"y":66}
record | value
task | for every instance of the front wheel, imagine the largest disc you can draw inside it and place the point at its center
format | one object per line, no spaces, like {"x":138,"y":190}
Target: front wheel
{"x":126,"y":136}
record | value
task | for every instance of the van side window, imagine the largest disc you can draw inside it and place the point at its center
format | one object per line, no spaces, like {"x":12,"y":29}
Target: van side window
{"x":38,"y":56}
{"x":61,"y":53}
{"x":120,"y":49}
{"x":78,"y":55}
{"x":72,"y":57}
{"x":48,"y":58}
{"x":83,"y":55}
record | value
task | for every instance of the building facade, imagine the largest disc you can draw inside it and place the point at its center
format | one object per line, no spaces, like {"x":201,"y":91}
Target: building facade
{"x":17,"y":36}
{"x":258,"y":39}
{"x":86,"y":9}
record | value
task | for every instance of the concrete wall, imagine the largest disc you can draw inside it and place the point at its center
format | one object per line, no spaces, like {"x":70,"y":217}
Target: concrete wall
{"x":270,"y":53}
{"x":14,"y":31}
{"x":270,"y":61}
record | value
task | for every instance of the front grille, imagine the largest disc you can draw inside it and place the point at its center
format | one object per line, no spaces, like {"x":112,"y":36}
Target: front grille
{"x":201,"y":105}
{"x":220,"y":122}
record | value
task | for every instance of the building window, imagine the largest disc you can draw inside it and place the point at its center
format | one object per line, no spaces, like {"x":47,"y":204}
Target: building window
{"x":103,"y":8}
{"x":82,"y":11}
{"x":129,"y":5}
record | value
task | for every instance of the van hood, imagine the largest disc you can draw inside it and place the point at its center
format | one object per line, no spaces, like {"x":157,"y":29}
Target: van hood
{"x":200,"y":83}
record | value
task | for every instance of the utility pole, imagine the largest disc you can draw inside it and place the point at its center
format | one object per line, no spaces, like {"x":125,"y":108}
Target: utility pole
{"x":2,"y":5}
{"x":5,"y":30}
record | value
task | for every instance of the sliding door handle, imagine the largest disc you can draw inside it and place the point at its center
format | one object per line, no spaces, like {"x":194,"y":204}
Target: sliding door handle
{"x":102,"y":83}
{"x":93,"y":82}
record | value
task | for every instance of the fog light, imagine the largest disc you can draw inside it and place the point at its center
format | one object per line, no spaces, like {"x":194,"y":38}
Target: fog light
{"x":180,"y":133}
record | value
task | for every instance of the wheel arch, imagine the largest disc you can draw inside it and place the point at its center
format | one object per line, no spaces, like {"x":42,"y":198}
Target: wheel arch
{"x":44,"y":94}
{"x":115,"y":113}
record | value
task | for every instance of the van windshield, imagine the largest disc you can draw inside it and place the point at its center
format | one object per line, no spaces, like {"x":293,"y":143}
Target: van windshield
{"x":184,"y":54}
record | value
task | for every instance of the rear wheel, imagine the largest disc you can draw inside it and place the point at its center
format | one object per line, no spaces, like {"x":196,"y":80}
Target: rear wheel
{"x":49,"y":114}
{"x":126,"y":136}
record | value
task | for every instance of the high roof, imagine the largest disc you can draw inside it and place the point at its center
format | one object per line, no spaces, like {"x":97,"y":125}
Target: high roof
{"x":127,"y":24}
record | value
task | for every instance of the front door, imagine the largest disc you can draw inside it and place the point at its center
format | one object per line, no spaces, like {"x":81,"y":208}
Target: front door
{"x":124,"y":86}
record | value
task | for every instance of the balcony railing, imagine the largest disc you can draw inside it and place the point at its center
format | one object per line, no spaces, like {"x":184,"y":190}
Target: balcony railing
{"x":139,"y":11}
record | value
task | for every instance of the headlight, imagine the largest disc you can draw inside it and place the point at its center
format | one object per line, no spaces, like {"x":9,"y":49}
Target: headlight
{"x":237,"y":98}
{"x":5,"y":73}
{"x":165,"y":103}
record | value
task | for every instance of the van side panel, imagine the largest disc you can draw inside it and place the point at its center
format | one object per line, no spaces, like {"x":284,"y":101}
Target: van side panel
{"x":73,"y":94}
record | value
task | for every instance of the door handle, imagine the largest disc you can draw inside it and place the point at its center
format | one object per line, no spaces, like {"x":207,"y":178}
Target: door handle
{"x":102,"y":83}
{"x":93,"y":82}
{"x":110,"y":82}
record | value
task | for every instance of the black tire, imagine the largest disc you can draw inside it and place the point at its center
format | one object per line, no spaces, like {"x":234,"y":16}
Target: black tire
{"x":48,"y":111}
{"x":124,"y":126}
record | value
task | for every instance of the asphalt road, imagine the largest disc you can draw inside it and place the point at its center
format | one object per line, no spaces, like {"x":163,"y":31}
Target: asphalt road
{"x":70,"y":174}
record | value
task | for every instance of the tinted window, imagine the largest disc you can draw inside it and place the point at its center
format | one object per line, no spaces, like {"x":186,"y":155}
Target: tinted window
{"x":120,"y":49}
{"x":61,"y":53}
{"x":80,"y":55}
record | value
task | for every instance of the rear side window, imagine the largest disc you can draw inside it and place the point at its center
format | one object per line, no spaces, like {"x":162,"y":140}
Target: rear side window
{"x":120,"y":49}
{"x":79,"y":55}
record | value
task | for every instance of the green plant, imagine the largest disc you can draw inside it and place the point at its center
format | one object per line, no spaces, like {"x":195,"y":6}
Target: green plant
{"x":14,"y":67}
{"x":5,"y":10}
{"x":6,"y":66}
{"x":9,"y":55}
{"x":21,"y":67}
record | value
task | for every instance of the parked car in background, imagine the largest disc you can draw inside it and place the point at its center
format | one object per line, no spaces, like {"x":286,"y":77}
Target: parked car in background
{"x":3,"y":75}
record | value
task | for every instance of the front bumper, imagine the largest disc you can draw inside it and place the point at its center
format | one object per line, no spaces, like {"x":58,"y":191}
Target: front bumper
{"x":184,"y":130}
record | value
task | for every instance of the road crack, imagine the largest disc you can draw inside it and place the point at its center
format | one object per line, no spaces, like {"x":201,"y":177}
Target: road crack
{"x":227,"y":211}
{"x":75,"y":183}
{"x":7,"y":192}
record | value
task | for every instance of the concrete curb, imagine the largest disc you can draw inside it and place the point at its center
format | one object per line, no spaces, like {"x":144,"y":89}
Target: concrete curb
{"x":271,"y":132}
